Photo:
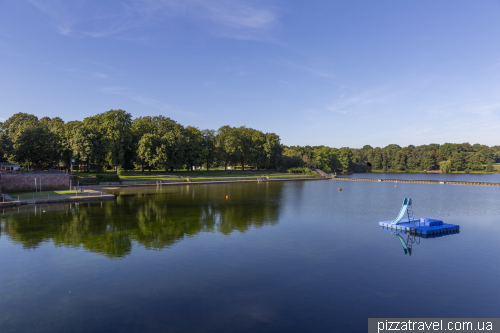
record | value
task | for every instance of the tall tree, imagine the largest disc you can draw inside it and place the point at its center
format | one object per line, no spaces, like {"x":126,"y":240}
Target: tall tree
{"x":457,"y":161}
{"x":6,"y":146}
{"x":209,"y":150}
{"x":474,"y":162}
{"x":147,"y":150}
{"x":224,"y":140}
{"x":90,"y":147}
{"x":36,"y":146}
{"x":193,"y":147}
{"x":428,"y":161}
{"x":273,"y":150}
{"x":116,"y":127}
{"x":172,"y":147}
{"x":447,"y":150}
{"x":345,"y":158}
{"x":17,"y":123}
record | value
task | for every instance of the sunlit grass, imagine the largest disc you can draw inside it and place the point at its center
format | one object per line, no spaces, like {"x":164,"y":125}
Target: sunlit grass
{"x":41,"y":194}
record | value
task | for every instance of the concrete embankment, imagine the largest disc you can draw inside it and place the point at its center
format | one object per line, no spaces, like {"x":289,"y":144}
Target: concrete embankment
{"x":85,"y":195}
{"x":416,"y":181}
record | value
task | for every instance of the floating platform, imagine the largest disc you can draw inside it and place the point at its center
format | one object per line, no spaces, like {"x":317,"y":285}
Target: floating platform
{"x":422,"y":226}
{"x":435,"y":235}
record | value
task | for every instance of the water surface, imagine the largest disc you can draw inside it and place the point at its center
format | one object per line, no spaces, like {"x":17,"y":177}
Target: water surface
{"x":457,"y":177}
{"x":272,"y":257}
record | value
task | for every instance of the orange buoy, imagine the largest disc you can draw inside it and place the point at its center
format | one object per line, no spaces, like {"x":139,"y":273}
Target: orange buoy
{"x":394,"y":185}
{"x":227,"y":197}
{"x":340,"y":188}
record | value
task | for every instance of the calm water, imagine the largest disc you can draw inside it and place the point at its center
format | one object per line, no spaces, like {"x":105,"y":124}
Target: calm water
{"x":462,"y":177}
{"x":273,"y":257}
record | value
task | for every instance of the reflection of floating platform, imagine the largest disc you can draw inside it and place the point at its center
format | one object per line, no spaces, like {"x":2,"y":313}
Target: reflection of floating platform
{"x":423,"y":226}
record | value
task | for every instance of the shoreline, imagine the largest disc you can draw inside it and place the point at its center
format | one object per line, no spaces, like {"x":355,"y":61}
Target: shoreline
{"x":94,"y":195}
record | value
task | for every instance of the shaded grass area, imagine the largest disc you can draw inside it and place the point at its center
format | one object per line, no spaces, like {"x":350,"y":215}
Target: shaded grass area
{"x":136,"y":176}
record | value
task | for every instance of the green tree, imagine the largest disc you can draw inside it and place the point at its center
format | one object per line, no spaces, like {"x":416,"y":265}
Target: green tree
{"x":323,"y":158}
{"x":36,"y":146}
{"x":257,"y":153}
{"x":428,"y":161}
{"x":457,"y":161}
{"x":17,"y":123}
{"x":193,"y":147}
{"x":447,"y":150}
{"x":90,"y":147}
{"x":292,"y":157}
{"x":147,"y":150}
{"x":157,"y":125}
{"x":224,"y":140}
{"x":273,"y":150}
{"x":400,"y":160}
{"x":445,"y":166}
{"x":377,"y":159}
{"x":209,"y":149}
{"x":474,"y":162}
{"x":345,"y":158}
{"x":6,"y":146}
{"x":170,"y":152}
{"x":116,"y":127}
{"x":488,"y":155}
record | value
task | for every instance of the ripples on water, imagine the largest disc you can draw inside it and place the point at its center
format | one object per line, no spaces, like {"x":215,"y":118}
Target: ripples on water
{"x":291,"y":256}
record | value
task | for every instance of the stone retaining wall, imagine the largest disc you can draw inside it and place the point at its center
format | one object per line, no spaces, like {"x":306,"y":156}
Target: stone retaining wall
{"x":26,"y":182}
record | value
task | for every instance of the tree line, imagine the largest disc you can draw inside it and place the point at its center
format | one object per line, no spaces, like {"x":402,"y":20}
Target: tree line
{"x":114,"y":138}
{"x":393,"y":158}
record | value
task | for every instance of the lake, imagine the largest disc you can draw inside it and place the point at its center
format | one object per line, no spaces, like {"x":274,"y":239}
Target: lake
{"x":297,"y":256}
{"x":457,"y":177}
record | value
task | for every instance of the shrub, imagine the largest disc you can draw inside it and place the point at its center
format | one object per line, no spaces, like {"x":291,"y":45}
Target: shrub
{"x":489,"y":167}
{"x":304,"y":171}
{"x":120,"y":171}
{"x":467,"y":171}
{"x":104,"y":178}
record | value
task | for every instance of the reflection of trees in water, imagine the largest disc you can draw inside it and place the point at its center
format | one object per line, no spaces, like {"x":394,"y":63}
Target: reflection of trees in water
{"x":154,"y":221}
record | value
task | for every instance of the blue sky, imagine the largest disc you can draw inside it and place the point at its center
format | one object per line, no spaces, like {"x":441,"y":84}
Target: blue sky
{"x":337,"y":73}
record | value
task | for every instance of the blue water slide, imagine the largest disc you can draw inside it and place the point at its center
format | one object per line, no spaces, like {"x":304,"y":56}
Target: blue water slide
{"x":404,"y":209}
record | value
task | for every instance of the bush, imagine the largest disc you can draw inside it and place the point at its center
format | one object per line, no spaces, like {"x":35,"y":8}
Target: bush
{"x":120,"y":171}
{"x":467,"y":171}
{"x":489,"y":167}
{"x":304,"y":171}
{"x":104,"y":178}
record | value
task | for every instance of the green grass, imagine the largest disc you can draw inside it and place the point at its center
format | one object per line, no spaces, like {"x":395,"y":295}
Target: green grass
{"x":41,"y":194}
{"x":496,"y":166}
{"x":139,"y":176}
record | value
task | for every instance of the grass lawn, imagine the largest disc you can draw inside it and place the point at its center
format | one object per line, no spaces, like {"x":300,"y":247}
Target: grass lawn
{"x":41,"y":194}
{"x":496,"y":166}
{"x":136,"y":176}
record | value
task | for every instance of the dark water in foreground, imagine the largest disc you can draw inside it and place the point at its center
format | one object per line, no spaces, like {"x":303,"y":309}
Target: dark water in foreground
{"x":275,"y":257}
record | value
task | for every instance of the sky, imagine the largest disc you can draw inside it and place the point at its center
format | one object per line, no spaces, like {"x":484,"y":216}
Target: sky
{"x":334,"y":73}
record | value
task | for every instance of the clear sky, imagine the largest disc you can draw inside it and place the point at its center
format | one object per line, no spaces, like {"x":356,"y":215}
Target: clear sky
{"x":337,"y":73}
